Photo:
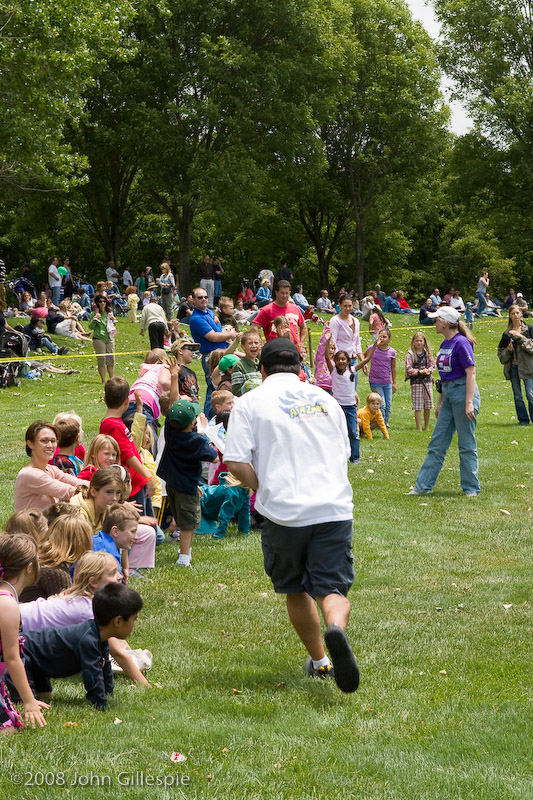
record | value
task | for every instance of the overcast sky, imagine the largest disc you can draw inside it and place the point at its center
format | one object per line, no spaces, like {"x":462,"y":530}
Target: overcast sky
{"x":422,"y":11}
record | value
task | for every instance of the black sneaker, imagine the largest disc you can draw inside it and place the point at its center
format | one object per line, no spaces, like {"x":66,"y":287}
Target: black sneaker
{"x":346,"y":671}
{"x":63,"y":351}
{"x":318,"y":672}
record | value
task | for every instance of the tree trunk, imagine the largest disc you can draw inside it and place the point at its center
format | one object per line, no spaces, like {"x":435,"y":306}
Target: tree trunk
{"x":359,"y":247}
{"x":185,"y":233}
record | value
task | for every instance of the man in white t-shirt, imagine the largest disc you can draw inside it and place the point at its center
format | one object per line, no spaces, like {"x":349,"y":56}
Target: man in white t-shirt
{"x":54,"y":281}
{"x":111,"y":273}
{"x":324,"y":304}
{"x":274,"y":437}
{"x":267,"y":274}
{"x":127,"y":279}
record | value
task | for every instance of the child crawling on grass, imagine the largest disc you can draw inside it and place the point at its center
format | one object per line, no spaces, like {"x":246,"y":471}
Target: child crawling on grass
{"x":75,"y":605}
{"x":63,"y":652}
{"x":370,"y":417}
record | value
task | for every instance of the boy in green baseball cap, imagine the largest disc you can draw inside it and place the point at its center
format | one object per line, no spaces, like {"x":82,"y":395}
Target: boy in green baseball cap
{"x":181,"y":468}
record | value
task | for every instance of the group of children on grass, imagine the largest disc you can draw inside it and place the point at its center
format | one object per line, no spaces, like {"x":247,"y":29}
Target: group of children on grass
{"x":69,"y":562}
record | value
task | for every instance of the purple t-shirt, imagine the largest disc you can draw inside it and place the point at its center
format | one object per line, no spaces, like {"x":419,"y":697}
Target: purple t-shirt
{"x":453,"y":358}
{"x":380,"y":366}
{"x":55,"y":612}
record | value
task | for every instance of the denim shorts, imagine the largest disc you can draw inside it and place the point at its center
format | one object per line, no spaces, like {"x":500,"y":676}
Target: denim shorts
{"x":316,"y":559}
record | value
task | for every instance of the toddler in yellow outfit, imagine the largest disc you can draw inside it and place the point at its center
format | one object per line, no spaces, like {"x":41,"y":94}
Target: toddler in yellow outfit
{"x":370,"y":417}
{"x":132,"y":301}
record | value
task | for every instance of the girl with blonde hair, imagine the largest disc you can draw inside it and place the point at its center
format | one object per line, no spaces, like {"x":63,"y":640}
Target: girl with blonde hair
{"x":75,"y":605}
{"x":68,"y":538}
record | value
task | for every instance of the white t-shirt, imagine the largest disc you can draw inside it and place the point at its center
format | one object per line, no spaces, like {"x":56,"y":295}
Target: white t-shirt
{"x":127,"y":280}
{"x":266,"y":274}
{"x":296,"y":437}
{"x":343,"y":387}
{"x":54,"y":278}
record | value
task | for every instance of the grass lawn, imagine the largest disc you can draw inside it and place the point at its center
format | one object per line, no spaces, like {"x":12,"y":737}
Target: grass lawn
{"x":441,"y":627}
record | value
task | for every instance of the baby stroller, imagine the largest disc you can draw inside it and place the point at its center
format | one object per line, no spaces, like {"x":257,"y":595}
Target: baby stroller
{"x":12,"y":344}
{"x":21,"y":285}
{"x":120,"y":308}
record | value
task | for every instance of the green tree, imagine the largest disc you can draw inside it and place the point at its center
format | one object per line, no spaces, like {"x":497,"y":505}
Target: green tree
{"x":230,"y":89}
{"x":49,"y":53}
{"x":388,"y":133}
{"x":486,"y":48}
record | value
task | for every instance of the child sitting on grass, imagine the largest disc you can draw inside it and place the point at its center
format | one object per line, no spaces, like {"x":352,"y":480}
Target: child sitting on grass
{"x":67,"y":539}
{"x":224,"y":501}
{"x":370,"y":417}
{"x":69,"y":435}
{"x":62,"y":652}
{"x":71,"y":416}
{"x":181,"y":468}
{"x":119,"y":531}
{"x":31,"y":522}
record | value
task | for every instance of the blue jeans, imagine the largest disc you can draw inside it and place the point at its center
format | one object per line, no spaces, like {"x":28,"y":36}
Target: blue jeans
{"x":385,"y":392}
{"x":148,"y":413}
{"x":521,"y":411}
{"x":482,"y":303}
{"x":56,"y":295}
{"x":49,"y":344}
{"x":208,"y":408}
{"x":452,"y":418}
{"x":350,"y":412}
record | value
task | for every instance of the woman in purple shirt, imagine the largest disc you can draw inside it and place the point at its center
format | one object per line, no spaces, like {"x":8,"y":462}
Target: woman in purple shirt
{"x":457,"y":407}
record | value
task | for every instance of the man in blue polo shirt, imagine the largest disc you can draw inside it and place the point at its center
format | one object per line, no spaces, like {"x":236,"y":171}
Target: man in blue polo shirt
{"x":207,"y":331}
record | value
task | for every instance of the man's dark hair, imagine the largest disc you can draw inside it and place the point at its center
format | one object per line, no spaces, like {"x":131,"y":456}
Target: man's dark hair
{"x":115,"y":600}
{"x":280,"y":355}
{"x":116,"y":391}
{"x":284,"y":285}
{"x":271,"y":369}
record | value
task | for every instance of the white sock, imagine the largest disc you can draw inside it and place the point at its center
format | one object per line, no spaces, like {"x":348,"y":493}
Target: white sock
{"x":184,"y":559}
{"x":322,"y":663}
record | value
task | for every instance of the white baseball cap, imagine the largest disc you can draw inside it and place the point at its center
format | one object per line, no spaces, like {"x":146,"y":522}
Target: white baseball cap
{"x":447,"y":313}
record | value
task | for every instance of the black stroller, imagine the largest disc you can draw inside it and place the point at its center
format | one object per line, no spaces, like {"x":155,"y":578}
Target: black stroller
{"x":12,"y":345}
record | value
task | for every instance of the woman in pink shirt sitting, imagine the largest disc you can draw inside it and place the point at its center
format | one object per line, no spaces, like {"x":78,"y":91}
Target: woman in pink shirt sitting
{"x":40,"y":484}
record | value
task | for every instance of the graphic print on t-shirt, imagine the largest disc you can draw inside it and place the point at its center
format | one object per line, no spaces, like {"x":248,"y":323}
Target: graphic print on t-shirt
{"x":300,"y":406}
{"x":444,"y":359}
